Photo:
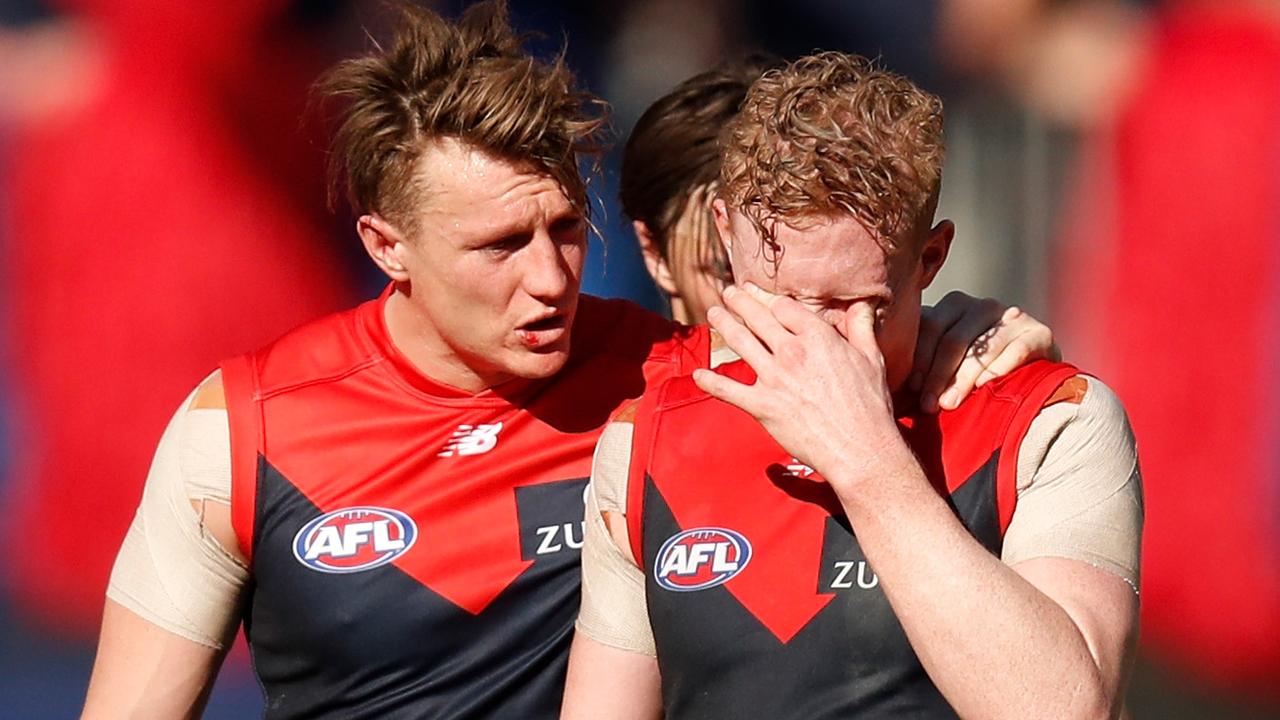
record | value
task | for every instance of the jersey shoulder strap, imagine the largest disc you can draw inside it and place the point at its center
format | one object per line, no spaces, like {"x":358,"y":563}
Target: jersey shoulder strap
{"x":1013,"y":401}
{"x":240,"y":386}
{"x":668,"y":395}
{"x":323,"y":350}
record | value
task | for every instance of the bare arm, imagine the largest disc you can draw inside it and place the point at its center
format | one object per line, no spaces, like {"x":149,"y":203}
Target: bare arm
{"x":143,"y":670}
{"x":984,"y":631}
{"x":606,"y":682}
{"x":987,"y":632}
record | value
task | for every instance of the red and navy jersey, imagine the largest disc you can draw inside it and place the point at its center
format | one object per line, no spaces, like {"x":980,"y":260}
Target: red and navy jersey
{"x":414,"y":549}
{"x":761,"y":602}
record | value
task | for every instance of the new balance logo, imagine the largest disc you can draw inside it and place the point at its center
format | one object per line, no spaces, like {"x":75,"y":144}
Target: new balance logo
{"x":799,"y":469}
{"x":472,"y":440}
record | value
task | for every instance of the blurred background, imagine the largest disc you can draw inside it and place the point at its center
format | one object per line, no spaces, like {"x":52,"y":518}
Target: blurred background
{"x":1114,"y":167}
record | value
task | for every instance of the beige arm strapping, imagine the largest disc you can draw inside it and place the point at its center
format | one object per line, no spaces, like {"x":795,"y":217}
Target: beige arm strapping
{"x":1079,"y":487}
{"x":613,"y":609}
{"x":170,"y":570}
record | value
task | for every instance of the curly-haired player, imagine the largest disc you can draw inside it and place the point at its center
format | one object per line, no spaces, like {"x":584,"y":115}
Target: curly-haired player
{"x":834,"y":552}
{"x":670,"y":172}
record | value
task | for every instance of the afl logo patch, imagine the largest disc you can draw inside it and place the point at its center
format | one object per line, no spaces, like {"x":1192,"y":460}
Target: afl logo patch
{"x":701,"y":558}
{"x":354,"y":539}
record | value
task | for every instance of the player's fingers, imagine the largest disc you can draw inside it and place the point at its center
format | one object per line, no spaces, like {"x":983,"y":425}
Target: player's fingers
{"x":798,"y":318}
{"x":968,"y":337}
{"x":934,"y":321}
{"x":1030,"y":345}
{"x":961,"y":384}
{"x":726,"y":389}
{"x":1034,"y":341}
{"x":756,"y":315}
{"x":859,"y":326}
{"x":789,"y":312}
{"x":739,"y":338}
{"x":1015,"y":355}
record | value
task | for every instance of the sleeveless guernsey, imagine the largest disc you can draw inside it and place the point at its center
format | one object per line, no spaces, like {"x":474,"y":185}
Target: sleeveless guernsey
{"x":761,"y":602}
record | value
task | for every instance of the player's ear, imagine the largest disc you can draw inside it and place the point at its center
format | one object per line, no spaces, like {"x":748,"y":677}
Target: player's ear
{"x":384,"y":243}
{"x":934,"y":252}
{"x":654,"y":261}
{"x":720,"y":209}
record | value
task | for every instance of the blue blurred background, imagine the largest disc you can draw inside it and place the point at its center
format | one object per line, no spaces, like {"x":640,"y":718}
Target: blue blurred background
{"x":1113,"y":166}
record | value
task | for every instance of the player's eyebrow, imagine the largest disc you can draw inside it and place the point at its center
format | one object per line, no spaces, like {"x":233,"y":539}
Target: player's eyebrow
{"x":878,"y":294}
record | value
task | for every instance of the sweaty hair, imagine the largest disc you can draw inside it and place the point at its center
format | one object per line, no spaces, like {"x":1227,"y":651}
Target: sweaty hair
{"x":832,"y":133}
{"x":471,"y":81}
{"x":674,"y":148}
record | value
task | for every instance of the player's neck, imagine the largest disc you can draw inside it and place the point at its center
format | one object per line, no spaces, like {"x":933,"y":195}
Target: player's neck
{"x":429,"y":353}
{"x":680,"y":312}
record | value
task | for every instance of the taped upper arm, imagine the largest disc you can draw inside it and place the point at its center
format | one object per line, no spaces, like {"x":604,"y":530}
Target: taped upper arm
{"x":610,"y":468}
{"x":205,"y":454}
{"x":179,"y":566}
{"x":1079,"y":485}
{"x":1076,"y":530}
{"x":613,"y":609}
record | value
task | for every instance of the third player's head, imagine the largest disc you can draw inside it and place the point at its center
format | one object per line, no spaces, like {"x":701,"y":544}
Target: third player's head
{"x":670,"y":168}
{"x":460,"y":155}
{"x":830,"y":180}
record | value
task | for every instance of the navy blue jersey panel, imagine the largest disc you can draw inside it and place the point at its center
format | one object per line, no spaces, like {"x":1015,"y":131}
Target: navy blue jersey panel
{"x":379,"y":644}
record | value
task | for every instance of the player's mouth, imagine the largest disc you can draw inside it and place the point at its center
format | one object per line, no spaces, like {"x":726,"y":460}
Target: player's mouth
{"x":544,"y":331}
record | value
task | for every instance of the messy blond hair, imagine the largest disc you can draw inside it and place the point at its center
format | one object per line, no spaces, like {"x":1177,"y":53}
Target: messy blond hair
{"x":471,"y":81}
{"x":832,"y":133}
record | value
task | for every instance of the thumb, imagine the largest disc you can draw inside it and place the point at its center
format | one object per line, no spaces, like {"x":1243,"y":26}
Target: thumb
{"x":859,"y":325}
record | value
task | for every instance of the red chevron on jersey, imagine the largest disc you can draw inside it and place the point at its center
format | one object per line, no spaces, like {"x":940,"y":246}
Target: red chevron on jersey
{"x":464,"y":506}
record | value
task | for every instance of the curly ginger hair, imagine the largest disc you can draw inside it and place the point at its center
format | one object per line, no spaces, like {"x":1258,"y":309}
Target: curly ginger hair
{"x":832,"y":133}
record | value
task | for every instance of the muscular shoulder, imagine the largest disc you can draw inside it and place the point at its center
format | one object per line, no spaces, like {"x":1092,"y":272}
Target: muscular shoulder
{"x":612,"y":463}
{"x":209,"y":394}
{"x":179,"y":566}
{"x":203,"y":459}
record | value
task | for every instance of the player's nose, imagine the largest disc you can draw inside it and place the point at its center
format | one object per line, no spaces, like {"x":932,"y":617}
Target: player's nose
{"x":547,"y":274}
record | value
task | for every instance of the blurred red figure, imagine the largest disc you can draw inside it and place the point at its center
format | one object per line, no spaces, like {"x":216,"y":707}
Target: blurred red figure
{"x":1177,"y":268}
{"x":161,"y":225}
